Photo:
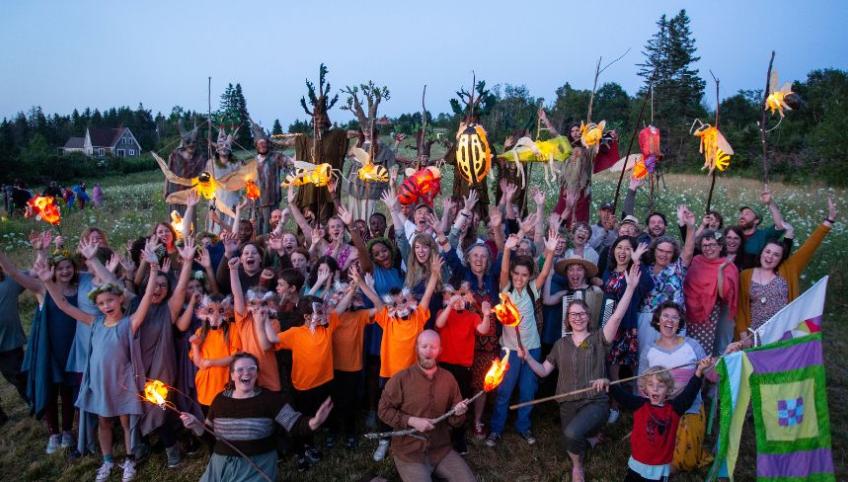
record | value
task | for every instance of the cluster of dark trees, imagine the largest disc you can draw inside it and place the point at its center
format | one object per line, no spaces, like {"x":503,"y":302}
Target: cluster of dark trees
{"x":810,"y":142}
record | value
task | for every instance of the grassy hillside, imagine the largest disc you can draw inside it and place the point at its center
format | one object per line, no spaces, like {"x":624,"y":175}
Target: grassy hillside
{"x":134,"y":203}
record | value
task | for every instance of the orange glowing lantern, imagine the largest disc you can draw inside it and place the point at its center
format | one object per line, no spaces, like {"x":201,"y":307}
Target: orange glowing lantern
{"x":506,"y":312}
{"x":591,"y":134}
{"x":496,"y":373}
{"x":156,"y":392}
{"x":44,"y":208}
{"x":251,"y":190}
{"x":422,"y":185}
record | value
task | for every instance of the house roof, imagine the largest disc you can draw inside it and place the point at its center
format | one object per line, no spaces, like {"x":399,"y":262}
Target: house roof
{"x":105,"y":137}
{"x":75,"y":143}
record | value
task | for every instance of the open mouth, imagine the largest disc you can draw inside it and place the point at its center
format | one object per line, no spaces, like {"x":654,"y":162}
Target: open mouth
{"x":655,"y":398}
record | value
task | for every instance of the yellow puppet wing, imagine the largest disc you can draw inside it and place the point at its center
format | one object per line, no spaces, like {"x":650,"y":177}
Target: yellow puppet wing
{"x":722,"y":144}
{"x":236,"y":180}
{"x":169,"y":175}
{"x":361,"y":155}
{"x":557,"y":149}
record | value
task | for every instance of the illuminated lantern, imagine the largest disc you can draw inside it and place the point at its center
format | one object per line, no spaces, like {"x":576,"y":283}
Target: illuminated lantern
{"x":649,"y":145}
{"x":506,"y":312}
{"x":156,"y":393}
{"x":496,"y":372}
{"x":591,"y":134}
{"x":206,"y":185}
{"x":177,"y":224}
{"x":473,"y":155}
{"x":318,"y":176}
{"x":714,"y":147}
{"x":420,"y":186}
{"x":251,"y":190}
{"x":780,"y":99}
{"x":369,"y":172}
{"x":44,"y":208}
{"x":527,"y":150}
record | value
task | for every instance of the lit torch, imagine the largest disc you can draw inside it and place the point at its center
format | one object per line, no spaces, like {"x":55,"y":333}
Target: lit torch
{"x":44,"y":208}
{"x":156,"y":393}
{"x":251,"y":190}
{"x":492,"y":380}
{"x":508,"y":315}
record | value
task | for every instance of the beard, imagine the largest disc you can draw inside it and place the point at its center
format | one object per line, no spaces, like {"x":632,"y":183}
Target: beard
{"x":426,"y":363}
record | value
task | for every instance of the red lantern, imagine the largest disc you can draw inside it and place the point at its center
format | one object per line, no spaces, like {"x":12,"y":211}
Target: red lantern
{"x":649,"y":142}
{"x":421,"y":186}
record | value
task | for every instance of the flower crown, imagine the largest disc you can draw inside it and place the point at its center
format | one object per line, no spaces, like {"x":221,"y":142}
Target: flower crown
{"x":107,"y":288}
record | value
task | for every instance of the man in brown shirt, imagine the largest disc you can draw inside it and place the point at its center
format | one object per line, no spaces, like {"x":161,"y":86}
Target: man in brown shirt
{"x":412,"y":399}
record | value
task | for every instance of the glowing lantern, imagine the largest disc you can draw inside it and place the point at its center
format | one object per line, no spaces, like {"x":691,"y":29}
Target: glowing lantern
{"x":369,"y":172}
{"x":473,"y":155}
{"x":506,"y":312}
{"x":317,"y":175}
{"x":496,"y":373}
{"x":780,"y":99}
{"x":156,"y":393}
{"x":177,"y":224}
{"x":44,"y":208}
{"x":714,"y":147}
{"x":591,"y":134}
{"x":649,"y":142}
{"x":422,"y":185}
{"x":251,"y":190}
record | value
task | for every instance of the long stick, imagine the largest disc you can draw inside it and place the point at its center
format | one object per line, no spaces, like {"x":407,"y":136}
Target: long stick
{"x":591,"y":389}
{"x":713,"y":174}
{"x":629,"y":149}
{"x":763,"y":122}
{"x":412,"y":431}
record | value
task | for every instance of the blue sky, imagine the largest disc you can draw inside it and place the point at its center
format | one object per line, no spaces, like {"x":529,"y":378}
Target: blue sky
{"x":63,"y":55}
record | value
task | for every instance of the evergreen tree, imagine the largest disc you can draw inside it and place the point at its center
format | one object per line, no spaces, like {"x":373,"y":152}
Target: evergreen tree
{"x":245,"y":136}
{"x":278,"y":128}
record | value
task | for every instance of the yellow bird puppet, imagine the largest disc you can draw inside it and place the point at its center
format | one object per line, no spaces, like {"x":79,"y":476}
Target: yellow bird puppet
{"x":776,"y":100}
{"x":527,"y":150}
{"x":714,"y":147}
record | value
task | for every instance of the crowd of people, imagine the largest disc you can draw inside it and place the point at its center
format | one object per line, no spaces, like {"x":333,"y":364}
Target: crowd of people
{"x":384,"y":321}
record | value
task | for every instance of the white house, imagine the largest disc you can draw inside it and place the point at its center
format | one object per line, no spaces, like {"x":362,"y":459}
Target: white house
{"x":118,"y":142}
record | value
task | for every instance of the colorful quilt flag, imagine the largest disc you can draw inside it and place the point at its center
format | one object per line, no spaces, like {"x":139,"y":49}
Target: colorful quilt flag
{"x":785,"y":382}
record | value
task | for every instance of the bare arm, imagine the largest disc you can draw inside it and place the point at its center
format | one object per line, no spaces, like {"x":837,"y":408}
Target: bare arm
{"x":137,"y":318}
{"x":301,"y":221}
{"x":191,"y":204}
{"x":261,"y":320}
{"x":45,"y":274}
{"x":235,"y":287}
{"x":184,"y":320}
{"x":26,"y":281}
{"x":442,"y":319}
{"x":776,"y":216}
{"x":510,"y":244}
{"x":550,"y":245}
{"x":485,"y":323}
{"x":435,"y":273}
{"x":541,"y":369}
{"x":611,"y":328}
{"x":175,"y":304}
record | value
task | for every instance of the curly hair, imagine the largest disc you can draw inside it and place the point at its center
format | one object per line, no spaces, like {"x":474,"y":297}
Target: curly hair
{"x":661,"y":374}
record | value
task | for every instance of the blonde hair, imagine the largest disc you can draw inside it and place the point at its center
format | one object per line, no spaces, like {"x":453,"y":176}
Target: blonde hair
{"x":661,"y":374}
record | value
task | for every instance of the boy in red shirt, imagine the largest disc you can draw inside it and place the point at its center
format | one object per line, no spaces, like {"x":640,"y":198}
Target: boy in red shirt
{"x":457,"y":324}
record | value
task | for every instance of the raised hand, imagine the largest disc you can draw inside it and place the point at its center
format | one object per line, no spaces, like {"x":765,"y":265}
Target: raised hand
{"x":470,"y":200}
{"x":345,"y":215}
{"x":552,"y":240}
{"x":87,"y":249}
{"x":275,"y":241}
{"x":192,"y":199}
{"x":704,"y":365}
{"x":43,"y":271}
{"x":633,"y":275}
{"x":436,"y":263}
{"x":267,"y":274}
{"x":538,"y":196}
{"x":448,"y":204}
{"x":128,"y":264}
{"x":389,"y":199}
{"x":765,"y":196}
{"x":486,"y":308}
{"x":203,"y":258}
{"x":512,"y":242}
{"x":495,"y":217}
{"x":166,"y":265}
{"x":529,"y":223}
{"x":187,"y":251}
{"x":554,"y":221}
{"x":291,"y":194}
{"x":230,"y":241}
{"x":831,"y":208}
{"x":114,"y":262}
{"x":638,"y":252}
{"x":233,"y":263}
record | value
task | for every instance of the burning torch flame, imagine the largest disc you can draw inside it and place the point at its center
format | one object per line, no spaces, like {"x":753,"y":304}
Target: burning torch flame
{"x":496,"y":373}
{"x":251,"y":190}
{"x":506,"y":312}
{"x":156,"y":393}
{"x":45,"y":209}
{"x":177,"y":224}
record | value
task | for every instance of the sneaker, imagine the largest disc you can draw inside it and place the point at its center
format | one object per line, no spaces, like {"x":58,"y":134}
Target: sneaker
{"x":174,"y":457}
{"x":382,"y":448}
{"x":528,"y":437}
{"x":492,"y":439}
{"x":129,"y":470}
{"x":303,"y":463}
{"x":351,"y":443}
{"x":103,"y":471}
{"x":614,"y":414}
{"x":67,"y":440}
{"x":479,"y":431}
{"x":314,"y":455}
{"x":53,"y":443}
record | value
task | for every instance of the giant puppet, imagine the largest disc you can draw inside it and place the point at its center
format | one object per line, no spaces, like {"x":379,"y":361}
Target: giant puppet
{"x":186,"y":161}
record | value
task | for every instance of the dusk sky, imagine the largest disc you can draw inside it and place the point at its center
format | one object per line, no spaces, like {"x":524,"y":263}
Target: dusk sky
{"x":63,"y":55}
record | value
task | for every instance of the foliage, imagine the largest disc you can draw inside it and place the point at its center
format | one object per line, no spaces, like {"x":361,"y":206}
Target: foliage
{"x":233,"y":113}
{"x":278,"y":128}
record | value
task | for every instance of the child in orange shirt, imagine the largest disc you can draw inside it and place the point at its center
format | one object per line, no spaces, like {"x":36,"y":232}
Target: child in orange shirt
{"x":348,"y":343}
{"x":213,"y":347}
{"x":251,"y":329}
{"x":312,"y":363}
{"x":402,"y":320}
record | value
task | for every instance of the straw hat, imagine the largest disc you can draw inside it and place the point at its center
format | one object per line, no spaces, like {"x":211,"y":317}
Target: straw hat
{"x":562,"y":265}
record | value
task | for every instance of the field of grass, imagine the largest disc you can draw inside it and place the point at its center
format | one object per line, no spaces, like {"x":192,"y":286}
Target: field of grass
{"x":134,"y":203}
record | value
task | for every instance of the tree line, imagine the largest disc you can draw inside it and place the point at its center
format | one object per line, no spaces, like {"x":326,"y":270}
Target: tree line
{"x":809,"y":142}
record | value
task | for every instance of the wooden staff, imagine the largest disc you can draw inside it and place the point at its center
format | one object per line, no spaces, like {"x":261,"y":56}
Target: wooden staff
{"x":763,"y":122}
{"x":713,"y":174}
{"x":415,"y":433}
{"x":591,"y":389}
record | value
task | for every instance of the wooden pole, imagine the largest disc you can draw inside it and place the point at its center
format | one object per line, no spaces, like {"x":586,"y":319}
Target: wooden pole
{"x":591,"y":389}
{"x":763,"y":122}
{"x":713,"y":174}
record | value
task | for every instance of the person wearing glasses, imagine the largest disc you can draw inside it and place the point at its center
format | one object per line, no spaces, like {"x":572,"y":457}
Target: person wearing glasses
{"x":581,"y":358}
{"x":671,"y":349}
{"x":711,"y":290}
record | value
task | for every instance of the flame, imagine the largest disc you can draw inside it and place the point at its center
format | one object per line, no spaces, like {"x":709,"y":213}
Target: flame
{"x":156,"y":392}
{"x":177,"y":224}
{"x":251,"y":190}
{"x":496,"y":372}
{"x":45,"y":209}
{"x":506,"y":312}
